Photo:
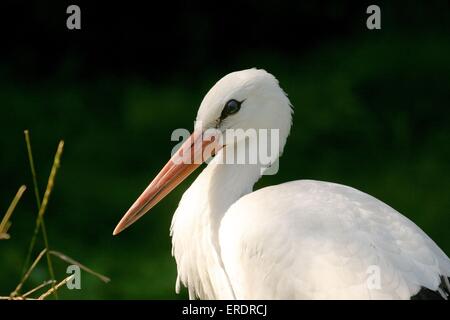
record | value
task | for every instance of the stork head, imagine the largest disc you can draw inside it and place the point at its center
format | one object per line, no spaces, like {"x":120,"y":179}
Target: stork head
{"x":242,"y":100}
{"x":247,"y":99}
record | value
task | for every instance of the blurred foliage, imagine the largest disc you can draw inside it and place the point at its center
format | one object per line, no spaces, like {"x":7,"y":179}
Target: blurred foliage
{"x":371,"y":111}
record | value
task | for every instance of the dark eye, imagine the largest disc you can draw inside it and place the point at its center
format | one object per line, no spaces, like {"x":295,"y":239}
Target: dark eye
{"x":231,"y":107}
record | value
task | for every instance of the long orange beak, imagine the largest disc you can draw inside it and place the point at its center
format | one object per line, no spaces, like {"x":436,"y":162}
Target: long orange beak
{"x":194,"y":151}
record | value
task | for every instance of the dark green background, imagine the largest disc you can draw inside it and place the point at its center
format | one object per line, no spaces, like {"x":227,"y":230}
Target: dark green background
{"x":371,"y":111}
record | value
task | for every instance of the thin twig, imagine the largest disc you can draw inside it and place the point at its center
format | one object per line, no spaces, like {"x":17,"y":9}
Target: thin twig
{"x":4,"y":225}
{"x":15,"y":298}
{"x":27,"y":274}
{"x":83,"y":267}
{"x":54,"y":288}
{"x":42,"y":285}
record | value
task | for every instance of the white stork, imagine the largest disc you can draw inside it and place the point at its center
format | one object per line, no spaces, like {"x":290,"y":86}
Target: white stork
{"x":303,"y":239}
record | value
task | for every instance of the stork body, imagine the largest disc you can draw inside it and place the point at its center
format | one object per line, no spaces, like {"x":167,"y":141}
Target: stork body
{"x":298,"y":240}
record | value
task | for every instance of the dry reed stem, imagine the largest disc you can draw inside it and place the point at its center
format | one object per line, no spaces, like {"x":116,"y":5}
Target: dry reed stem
{"x":27,"y":274}
{"x":4,"y":225}
{"x":56,"y":287}
{"x":42,"y":285}
{"x":83,"y":267}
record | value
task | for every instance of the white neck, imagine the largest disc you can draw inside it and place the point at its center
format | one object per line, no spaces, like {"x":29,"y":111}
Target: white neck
{"x":196,"y":223}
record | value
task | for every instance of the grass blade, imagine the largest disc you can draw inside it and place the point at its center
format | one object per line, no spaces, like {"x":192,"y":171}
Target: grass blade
{"x":42,"y":207}
{"x":83,"y":267}
{"x":32,"y":168}
{"x":4,"y":225}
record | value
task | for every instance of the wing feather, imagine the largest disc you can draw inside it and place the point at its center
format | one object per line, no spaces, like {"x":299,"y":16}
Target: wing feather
{"x":317,"y":240}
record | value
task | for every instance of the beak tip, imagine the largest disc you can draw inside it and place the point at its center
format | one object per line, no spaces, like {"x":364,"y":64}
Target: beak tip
{"x":117,"y":230}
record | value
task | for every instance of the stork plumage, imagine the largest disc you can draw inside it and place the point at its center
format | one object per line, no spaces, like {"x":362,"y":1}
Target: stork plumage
{"x":298,"y":240}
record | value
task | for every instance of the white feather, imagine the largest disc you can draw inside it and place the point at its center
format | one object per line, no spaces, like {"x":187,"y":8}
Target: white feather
{"x":316,"y":240}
